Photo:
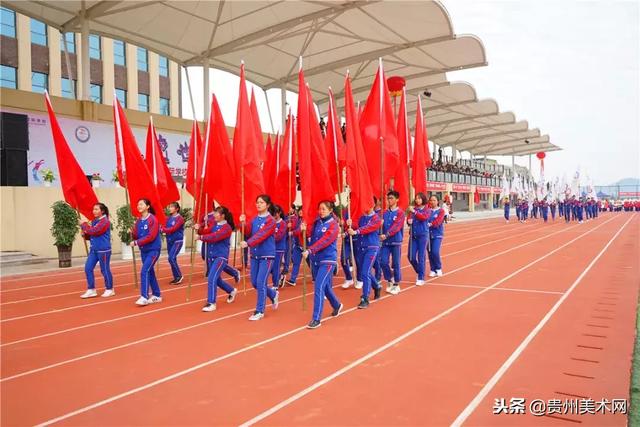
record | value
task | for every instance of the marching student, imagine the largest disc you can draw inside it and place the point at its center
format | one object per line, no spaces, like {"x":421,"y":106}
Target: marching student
{"x":436,"y":234}
{"x":534,"y":208}
{"x":544,"y":210}
{"x":99,"y":234}
{"x":323,"y":253}
{"x":207,"y":221}
{"x":146,"y":235}
{"x":552,"y":208}
{"x":263,"y":251}
{"x":376,"y":265}
{"x":174,"y":232}
{"x":288,"y":250}
{"x":507,"y":208}
{"x":391,"y":237}
{"x":280,"y":234}
{"x":419,"y":236}
{"x":518,"y":208}
{"x":346,"y":259}
{"x":561,"y":208}
{"x":295,"y":234}
{"x":218,"y":239}
{"x":368,"y":228}
{"x":524,"y":210}
{"x":567,"y":210}
{"x":579,"y":210}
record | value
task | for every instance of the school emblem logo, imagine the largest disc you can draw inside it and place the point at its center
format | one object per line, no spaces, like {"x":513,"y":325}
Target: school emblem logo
{"x":82,"y":134}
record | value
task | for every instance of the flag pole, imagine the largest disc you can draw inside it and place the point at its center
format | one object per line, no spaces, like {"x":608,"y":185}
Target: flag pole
{"x":86,"y":248}
{"x":242,"y":225}
{"x":197,"y":204}
{"x":304,"y":270}
{"x":133,"y":248}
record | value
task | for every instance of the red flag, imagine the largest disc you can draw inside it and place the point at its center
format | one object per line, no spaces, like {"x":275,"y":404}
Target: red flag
{"x":267,"y":166}
{"x":166,"y":186}
{"x":285,"y":185}
{"x":476,"y":196}
{"x":131,"y":166}
{"x":360,"y":191}
{"x":193,"y":171}
{"x":256,"y":124}
{"x":376,"y":123}
{"x":314,"y":178}
{"x":401,"y":177}
{"x":334,"y":146}
{"x":220,"y":178}
{"x":420,"y":153}
{"x":76,"y":188}
{"x":245,"y":152}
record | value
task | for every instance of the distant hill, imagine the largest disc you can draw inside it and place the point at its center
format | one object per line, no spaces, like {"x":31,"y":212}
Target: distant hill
{"x":628,"y":181}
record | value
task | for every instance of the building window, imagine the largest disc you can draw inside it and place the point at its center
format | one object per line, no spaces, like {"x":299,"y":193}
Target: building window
{"x":94,"y":47}
{"x":143,"y":102}
{"x":164,"y":66}
{"x":8,"y":77}
{"x":70,"y":38}
{"x":38,"y":32}
{"x":121,"y":94}
{"x":143,"y":59}
{"x":68,"y":88}
{"x":119,"y":53}
{"x":165,"y":108}
{"x":96,"y":93}
{"x":39,"y":82}
{"x":8,"y":22}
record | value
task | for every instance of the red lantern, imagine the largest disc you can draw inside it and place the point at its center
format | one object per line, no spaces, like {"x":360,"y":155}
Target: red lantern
{"x":541,"y":155}
{"x":396,"y":84}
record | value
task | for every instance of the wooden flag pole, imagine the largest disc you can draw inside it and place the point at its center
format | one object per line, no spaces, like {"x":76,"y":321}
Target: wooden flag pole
{"x":304,"y":270}
{"x":86,"y":248}
{"x":193,"y":243}
{"x":242,"y":225}
{"x":133,"y":248}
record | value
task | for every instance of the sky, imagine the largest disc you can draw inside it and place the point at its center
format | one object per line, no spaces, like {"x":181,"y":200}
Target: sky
{"x":571,"y":68}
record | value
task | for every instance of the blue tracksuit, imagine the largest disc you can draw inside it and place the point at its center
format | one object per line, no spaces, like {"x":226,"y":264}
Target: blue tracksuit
{"x":436,"y":234}
{"x":263,"y":251}
{"x":552,"y":208}
{"x":207,"y":222}
{"x":376,"y":265}
{"x":560,"y":208}
{"x":296,"y":249}
{"x":323,"y":252}
{"x":280,"y":235}
{"x":507,"y":207}
{"x":218,"y":239}
{"x":567,"y":210}
{"x":392,"y":244}
{"x":518,"y":211}
{"x":369,"y":242}
{"x":146,"y":233}
{"x":345,"y":255}
{"x":544,"y":211}
{"x":99,"y":233}
{"x":174,"y":231}
{"x":419,"y":240}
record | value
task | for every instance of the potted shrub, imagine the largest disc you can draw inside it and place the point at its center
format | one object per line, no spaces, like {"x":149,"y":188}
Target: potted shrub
{"x":96,"y":179}
{"x":64,"y":230}
{"x":47,"y":176}
{"x":115,"y":179}
{"x":124,"y":223}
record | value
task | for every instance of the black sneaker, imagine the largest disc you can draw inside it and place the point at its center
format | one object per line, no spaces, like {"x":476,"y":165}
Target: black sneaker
{"x":313,"y":324}
{"x":281,"y":282}
{"x":337,"y":311}
{"x":178,"y":280}
{"x":364,"y":303}
{"x":173,"y":282}
{"x":376,"y":292}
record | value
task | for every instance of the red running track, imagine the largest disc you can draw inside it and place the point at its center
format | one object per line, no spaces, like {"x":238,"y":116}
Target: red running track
{"x":532,"y":311}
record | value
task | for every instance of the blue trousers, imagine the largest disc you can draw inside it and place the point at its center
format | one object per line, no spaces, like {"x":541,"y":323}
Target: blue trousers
{"x":214,"y":280}
{"x":148,"y":274}
{"x":553,"y":213}
{"x":260,"y":269}
{"x":376,"y":267}
{"x":104,"y":258}
{"x":526,"y":213}
{"x":545,"y":214}
{"x":173,"y":249}
{"x":567,"y":213}
{"x":518,"y":212}
{"x":534,"y":212}
{"x":345,"y":260}
{"x":418,"y":254}
{"x":393,"y":252}
{"x":296,"y":259}
{"x":434,"y":253}
{"x":322,"y":277}
{"x":287,"y":258}
{"x":275,"y":269}
{"x":506,"y":213}
{"x":367,"y":259}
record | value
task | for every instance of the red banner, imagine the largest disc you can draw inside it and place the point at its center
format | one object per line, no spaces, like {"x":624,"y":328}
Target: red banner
{"x":629,"y":194}
{"x":436,"y":186}
{"x":483,"y":189}
{"x":461,"y":188}
{"x":497,"y":190}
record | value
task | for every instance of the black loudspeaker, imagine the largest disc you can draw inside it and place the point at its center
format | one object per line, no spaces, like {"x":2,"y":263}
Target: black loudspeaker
{"x":14,"y":131}
{"x":13,"y":164}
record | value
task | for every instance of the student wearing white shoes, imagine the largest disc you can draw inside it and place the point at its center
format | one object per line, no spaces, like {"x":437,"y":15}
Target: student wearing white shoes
{"x":436,"y":233}
{"x":323,"y":252}
{"x":174,"y":233}
{"x":146,"y":235}
{"x":391,"y":237}
{"x":418,"y":221}
{"x":261,"y":240}
{"x":99,"y":234}
{"x":218,"y":239}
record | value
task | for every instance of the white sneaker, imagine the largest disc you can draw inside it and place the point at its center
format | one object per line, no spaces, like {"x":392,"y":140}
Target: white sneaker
{"x":232,"y":296}
{"x":154,"y":299}
{"x":390,"y":285}
{"x":142,"y":301}
{"x":108,"y":293}
{"x":90,"y":293}
{"x":209,"y":307}
{"x":347,"y":284}
{"x":419,"y":282}
{"x":256,"y":316}
{"x":432,"y":274}
{"x":439,"y":273}
{"x":395,"y":290}
{"x":359,"y":284}
{"x":275,"y":303}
